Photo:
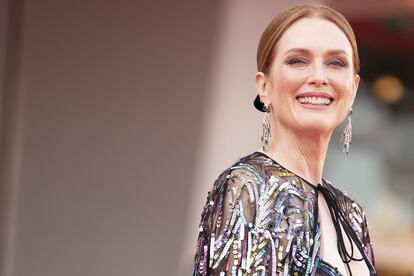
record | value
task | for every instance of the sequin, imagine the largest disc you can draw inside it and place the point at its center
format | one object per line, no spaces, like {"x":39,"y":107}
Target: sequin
{"x":261,"y":219}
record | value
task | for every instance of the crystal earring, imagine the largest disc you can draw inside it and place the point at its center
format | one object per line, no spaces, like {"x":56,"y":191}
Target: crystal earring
{"x":346,"y":136}
{"x":266,"y":128}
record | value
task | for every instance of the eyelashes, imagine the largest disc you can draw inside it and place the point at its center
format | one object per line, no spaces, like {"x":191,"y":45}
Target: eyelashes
{"x":300,"y":61}
{"x":338,"y":63}
{"x":293,"y":61}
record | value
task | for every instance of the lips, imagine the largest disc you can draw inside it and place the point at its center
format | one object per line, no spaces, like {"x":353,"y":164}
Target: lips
{"x":315,"y":99}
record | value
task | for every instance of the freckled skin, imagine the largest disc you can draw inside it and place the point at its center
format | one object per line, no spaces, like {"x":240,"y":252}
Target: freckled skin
{"x":314,"y":68}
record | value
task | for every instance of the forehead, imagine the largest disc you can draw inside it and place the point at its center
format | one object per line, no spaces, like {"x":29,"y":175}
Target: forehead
{"x":315,"y":34}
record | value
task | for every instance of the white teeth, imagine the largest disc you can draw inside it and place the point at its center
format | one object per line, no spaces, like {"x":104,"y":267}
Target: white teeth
{"x":314,"y":100}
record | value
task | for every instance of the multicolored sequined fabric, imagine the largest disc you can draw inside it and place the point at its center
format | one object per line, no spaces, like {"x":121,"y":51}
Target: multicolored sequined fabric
{"x":260,"y":219}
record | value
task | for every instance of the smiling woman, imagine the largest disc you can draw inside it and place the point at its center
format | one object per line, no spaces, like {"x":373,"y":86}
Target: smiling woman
{"x":272,"y":212}
{"x":314,"y":80}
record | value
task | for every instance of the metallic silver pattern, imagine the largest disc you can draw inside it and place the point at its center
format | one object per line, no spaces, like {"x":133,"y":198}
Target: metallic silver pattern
{"x":260,"y":219}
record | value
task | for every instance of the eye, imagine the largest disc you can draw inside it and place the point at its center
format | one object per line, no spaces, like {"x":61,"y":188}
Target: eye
{"x":296,"y":61}
{"x":338,"y":63}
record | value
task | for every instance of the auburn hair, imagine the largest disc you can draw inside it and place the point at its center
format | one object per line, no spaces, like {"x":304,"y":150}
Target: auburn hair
{"x":274,"y":31}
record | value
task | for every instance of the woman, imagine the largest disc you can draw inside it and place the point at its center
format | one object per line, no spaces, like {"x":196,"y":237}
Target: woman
{"x":272,"y":213}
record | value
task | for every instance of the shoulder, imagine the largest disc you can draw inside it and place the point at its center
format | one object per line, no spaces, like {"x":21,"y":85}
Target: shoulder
{"x":354,"y":212}
{"x":261,"y":167}
{"x":346,"y":202}
{"x":248,"y":173}
{"x":252,"y":186}
{"x":255,"y":167}
{"x":356,"y":216}
{"x":257,"y":201}
{"x":256,"y":171}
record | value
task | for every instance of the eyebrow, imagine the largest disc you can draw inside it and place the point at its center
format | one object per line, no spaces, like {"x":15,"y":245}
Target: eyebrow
{"x":307,"y":51}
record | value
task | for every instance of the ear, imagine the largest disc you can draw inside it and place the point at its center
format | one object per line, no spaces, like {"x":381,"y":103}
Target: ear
{"x":355,"y":87}
{"x":262,"y":86}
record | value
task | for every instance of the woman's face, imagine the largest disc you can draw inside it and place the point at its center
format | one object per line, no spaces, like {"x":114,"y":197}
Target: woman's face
{"x":311,"y":84}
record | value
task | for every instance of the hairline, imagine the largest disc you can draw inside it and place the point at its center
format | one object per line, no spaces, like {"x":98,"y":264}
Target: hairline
{"x":314,"y":13}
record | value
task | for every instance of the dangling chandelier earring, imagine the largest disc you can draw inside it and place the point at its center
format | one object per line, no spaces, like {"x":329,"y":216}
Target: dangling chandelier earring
{"x":346,"y":136}
{"x":266,"y":128}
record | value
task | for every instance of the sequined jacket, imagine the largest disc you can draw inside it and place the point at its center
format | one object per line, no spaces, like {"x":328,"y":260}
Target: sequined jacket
{"x":259,"y":219}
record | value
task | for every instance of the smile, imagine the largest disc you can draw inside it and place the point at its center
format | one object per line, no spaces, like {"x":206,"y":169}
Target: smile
{"x":321,"y":101}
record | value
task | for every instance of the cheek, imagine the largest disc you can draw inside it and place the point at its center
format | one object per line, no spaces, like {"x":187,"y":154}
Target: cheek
{"x":289,"y":81}
{"x":342,"y":85}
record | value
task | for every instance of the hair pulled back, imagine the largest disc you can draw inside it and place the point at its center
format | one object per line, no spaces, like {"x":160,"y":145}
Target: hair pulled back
{"x":274,"y":31}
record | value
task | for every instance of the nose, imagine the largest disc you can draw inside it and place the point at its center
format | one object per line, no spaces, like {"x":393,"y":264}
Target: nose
{"x":317,"y":76}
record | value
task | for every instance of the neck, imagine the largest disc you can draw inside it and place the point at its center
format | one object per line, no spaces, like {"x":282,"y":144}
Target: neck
{"x":301,"y":153}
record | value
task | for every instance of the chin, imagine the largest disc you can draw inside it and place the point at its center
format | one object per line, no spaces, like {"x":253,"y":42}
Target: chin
{"x":317,"y":126}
